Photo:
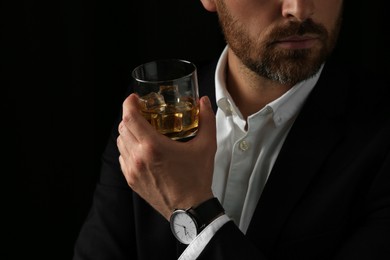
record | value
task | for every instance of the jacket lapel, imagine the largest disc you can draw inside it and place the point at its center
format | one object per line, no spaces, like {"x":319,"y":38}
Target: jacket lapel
{"x":316,"y":130}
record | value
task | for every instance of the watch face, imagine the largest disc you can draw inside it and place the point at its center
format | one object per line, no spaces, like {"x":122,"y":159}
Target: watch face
{"x":183,"y":226}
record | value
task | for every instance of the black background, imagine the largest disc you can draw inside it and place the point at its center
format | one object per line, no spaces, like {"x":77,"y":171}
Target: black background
{"x":65,"y":66}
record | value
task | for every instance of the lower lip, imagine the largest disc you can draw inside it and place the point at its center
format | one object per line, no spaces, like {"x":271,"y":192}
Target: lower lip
{"x":303,"y":44}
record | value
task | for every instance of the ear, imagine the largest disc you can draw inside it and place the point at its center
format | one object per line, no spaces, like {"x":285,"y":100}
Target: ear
{"x":209,"y":5}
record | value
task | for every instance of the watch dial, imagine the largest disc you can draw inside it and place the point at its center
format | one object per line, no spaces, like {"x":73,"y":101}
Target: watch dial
{"x":183,"y":227}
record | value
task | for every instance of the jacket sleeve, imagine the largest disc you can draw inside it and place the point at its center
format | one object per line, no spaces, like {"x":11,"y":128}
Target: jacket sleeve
{"x":108,"y":233}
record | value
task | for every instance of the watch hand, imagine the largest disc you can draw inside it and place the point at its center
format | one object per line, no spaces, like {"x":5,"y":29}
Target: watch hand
{"x":180,"y":225}
{"x":184,"y":227}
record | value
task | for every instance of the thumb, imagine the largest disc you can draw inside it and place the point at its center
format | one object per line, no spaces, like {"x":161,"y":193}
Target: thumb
{"x":207,"y":124}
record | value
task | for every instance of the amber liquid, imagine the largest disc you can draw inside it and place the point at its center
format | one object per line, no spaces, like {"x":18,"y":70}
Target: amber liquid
{"x":175,"y":121}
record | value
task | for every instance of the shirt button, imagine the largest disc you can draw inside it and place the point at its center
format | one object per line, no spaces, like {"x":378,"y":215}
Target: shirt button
{"x":244,"y":145}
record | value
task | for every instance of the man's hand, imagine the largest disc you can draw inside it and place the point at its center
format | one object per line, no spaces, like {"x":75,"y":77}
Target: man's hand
{"x":167,"y":174}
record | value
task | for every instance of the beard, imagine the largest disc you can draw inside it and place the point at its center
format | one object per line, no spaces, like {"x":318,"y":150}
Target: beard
{"x":266,"y":59}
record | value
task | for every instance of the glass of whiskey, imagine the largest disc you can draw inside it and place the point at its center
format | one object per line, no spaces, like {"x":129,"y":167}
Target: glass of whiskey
{"x":169,"y":97}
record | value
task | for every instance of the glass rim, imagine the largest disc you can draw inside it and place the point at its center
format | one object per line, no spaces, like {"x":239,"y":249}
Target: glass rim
{"x":193,"y":70}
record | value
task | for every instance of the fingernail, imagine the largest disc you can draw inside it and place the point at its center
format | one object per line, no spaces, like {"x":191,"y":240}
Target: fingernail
{"x":206,"y":101}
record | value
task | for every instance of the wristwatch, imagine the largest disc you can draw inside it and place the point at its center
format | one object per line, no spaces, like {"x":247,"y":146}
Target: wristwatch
{"x":186,"y":224}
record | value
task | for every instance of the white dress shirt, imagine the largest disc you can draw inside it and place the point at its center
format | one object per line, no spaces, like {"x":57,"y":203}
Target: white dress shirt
{"x":245,"y":157}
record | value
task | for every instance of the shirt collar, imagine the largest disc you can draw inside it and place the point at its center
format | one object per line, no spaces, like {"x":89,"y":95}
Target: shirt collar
{"x":283,"y":108}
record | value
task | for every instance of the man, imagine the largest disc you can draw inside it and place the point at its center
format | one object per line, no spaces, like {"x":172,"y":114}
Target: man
{"x":295,"y":164}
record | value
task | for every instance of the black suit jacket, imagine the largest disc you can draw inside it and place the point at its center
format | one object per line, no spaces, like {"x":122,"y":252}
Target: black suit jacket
{"x":327,"y":197}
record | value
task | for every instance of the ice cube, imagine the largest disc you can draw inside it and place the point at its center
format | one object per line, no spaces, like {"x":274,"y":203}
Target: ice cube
{"x":152,"y":102}
{"x":171,"y":93}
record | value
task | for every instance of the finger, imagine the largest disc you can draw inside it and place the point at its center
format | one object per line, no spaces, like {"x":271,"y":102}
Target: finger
{"x":126,"y":171}
{"x":122,"y":164}
{"x":129,"y":105}
{"x":207,"y":125}
{"x":134,"y":121}
{"x":126,"y":140}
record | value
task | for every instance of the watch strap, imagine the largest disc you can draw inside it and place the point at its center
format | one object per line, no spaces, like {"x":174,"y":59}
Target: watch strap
{"x":206,"y":212}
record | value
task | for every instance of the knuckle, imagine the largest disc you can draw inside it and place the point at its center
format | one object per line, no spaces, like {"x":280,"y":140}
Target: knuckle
{"x":139,"y":165}
{"x":152,"y":150}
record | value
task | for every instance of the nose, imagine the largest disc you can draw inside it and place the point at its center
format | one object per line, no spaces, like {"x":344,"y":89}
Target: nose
{"x":299,"y":10}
